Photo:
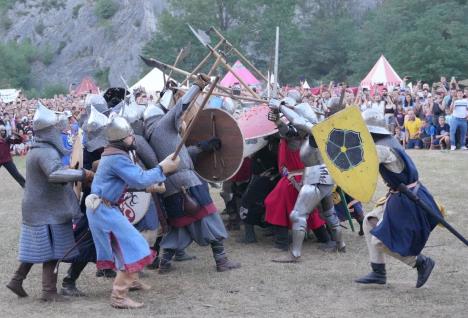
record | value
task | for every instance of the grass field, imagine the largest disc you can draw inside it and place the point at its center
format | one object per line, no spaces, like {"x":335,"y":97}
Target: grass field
{"x":320,"y":286}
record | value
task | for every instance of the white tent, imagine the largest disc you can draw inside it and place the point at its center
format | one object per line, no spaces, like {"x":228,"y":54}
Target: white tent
{"x":305,"y":85}
{"x":8,"y":95}
{"x":152,"y":82}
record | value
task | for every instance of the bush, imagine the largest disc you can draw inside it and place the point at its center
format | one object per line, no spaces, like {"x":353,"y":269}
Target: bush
{"x":39,"y":28}
{"x":76,"y":10}
{"x":102,"y":77}
{"x":53,"y":89}
{"x":105,"y":9}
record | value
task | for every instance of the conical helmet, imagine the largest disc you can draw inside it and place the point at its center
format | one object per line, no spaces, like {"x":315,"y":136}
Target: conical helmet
{"x":96,"y":120}
{"x":44,"y":118}
{"x":97,"y":101}
{"x":118,"y":129}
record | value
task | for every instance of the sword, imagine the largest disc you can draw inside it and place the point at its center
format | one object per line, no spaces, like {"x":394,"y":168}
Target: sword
{"x":71,"y":249}
{"x":413,"y":197}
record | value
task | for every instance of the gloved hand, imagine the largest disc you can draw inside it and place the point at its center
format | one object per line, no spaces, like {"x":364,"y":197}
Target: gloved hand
{"x":168,"y":165}
{"x":210,"y":145}
{"x":274,"y":104}
{"x":88,"y":176}
{"x":273,"y":115}
{"x":95,"y":165}
{"x":202,"y":80}
{"x":156,"y":188}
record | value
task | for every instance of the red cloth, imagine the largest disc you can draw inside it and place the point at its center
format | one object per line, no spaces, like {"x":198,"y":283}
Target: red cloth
{"x":244,"y":173}
{"x":280,"y":202}
{"x":5,"y":154}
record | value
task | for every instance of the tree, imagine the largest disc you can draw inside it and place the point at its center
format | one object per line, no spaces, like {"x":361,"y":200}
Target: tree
{"x":424,"y":39}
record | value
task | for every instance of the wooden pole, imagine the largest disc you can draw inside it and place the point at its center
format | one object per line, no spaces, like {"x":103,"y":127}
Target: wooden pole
{"x":200,"y":65}
{"x":191,"y":125}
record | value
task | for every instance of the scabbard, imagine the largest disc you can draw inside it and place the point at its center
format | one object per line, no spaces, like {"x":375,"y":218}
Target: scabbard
{"x":435,"y":214}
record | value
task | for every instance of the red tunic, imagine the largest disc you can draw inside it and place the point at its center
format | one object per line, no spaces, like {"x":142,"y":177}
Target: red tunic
{"x":280,"y":202}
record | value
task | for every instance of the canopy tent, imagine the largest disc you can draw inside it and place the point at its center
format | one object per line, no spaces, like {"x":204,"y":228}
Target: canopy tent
{"x":305,"y":85}
{"x":86,"y":86}
{"x":381,"y":73}
{"x":152,"y":82}
{"x":229,"y":79}
{"x":8,"y":95}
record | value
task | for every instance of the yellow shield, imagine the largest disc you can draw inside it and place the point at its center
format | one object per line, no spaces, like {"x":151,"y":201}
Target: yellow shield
{"x":349,"y":152}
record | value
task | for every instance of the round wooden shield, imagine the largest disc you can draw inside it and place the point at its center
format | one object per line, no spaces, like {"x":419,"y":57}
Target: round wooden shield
{"x":224,"y":163}
{"x":135,"y":205}
{"x":76,"y":160}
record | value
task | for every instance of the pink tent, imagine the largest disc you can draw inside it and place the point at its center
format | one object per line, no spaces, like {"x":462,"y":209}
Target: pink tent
{"x":242,"y":72}
{"x":86,"y":86}
{"x":381,"y":73}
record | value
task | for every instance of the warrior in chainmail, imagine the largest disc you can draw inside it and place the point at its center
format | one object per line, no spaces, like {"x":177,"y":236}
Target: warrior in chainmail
{"x":49,"y":204}
{"x":189,"y":207}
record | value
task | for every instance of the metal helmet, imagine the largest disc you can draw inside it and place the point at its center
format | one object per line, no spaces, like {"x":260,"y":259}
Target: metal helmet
{"x":118,"y":129}
{"x":130,"y":112}
{"x":294,"y":94}
{"x":44,"y":118}
{"x":97,"y":101}
{"x":96,"y":120}
{"x":152,"y":111}
{"x":375,"y":122}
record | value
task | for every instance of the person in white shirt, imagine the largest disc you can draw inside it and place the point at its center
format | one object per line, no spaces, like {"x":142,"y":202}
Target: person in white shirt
{"x":459,"y":110}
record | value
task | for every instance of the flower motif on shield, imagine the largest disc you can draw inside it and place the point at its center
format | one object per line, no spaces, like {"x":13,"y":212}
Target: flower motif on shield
{"x":344,"y":148}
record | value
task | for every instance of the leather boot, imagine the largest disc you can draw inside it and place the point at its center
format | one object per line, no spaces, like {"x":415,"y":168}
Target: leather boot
{"x":69,"y":282}
{"x":424,"y":266}
{"x":322,"y":234}
{"x":16,"y":282}
{"x":49,"y":283}
{"x":377,"y":276}
{"x":233,"y":216}
{"x":224,"y":264}
{"x":182,"y":256}
{"x":107,"y":273}
{"x":249,"y":235}
{"x":281,"y":238}
{"x":139,"y":285}
{"x":119,"y":295}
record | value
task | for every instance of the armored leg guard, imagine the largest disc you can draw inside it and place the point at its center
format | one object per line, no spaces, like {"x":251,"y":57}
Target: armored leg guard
{"x":333,"y":223}
{"x":377,"y":276}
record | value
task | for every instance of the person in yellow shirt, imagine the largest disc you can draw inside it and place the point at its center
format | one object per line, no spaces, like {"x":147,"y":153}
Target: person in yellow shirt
{"x":413,"y":128}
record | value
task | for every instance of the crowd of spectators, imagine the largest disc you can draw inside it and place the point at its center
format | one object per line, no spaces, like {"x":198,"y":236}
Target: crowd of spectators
{"x":420,"y":115}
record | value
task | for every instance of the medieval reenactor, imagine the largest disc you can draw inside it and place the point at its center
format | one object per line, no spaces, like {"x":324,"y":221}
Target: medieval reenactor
{"x":5,"y":154}
{"x":189,"y":207}
{"x":49,"y":204}
{"x":94,"y":141}
{"x":399,"y":228}
{"x":317,"y":184}
{"x":264,"y":178}
{"x":118,"y":244}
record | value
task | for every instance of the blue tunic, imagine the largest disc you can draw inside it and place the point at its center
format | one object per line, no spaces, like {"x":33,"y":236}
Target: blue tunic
{"x":118,"y":243}
{"x":405,"y":227}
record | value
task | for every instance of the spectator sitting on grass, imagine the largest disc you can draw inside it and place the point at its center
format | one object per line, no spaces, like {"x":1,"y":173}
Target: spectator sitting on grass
{"x":412,"y":131}
{"x":442,"y":134}
{"x":427,"y":133}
